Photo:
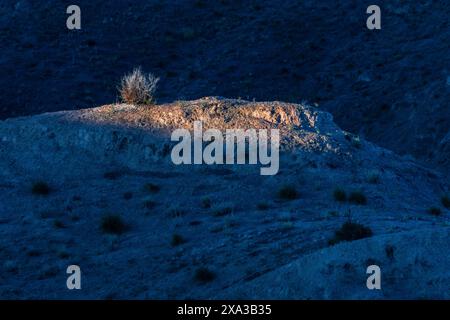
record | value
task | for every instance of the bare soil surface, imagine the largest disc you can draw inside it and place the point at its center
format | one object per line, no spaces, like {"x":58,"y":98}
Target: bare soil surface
{"x":229,"y":219}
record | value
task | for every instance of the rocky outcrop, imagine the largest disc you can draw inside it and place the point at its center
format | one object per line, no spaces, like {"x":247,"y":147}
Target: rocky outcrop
{"x":252,"y":232}
{"x":137,"y":137}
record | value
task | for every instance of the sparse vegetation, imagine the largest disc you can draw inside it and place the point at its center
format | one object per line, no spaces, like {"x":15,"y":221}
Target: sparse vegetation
{"x":373,"y":177}
{"x":152,"y":188}
{"x":223,"y":211}
{"x":47,"y":214}
{"x":204,"y":275}
{"x":357,"y":197}
{"x":340,"y":195}
{"x":389,"y":251}
{"x":177,"y":240}
{"x":149,"y":204}
{"x":206,"y":203}
{"x":11,"y":266}
{"x":445,"y":200}
{"x":176,"y":212}
{"x":112,"y":175}
{"x":75,"y":217}
{"x":372,"y":261}
{"x":187,"y":33}
{"x":230,"y":223}
{"x":435,"y":211}
{"x":262,"y":206}
{"x":62,"y":254}
{"x":113,"y":224}
{"x":58,"y":224}
{"x":40,"y":188}
{"x":350,"y":231}
{"x":34,"y":253}
{"x":333,"y":214}
{"x":137,"y":88}
{"x":288,"y":192}
{"x":285,"y":217}
{"x":287,"y":225}
{"x":127,"y":195}
{"x":356,"y":142}
{"x":48,"y":272}
{"x":216,"y":229}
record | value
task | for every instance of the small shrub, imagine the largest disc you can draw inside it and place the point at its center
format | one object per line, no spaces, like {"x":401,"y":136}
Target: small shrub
{"x":137,"y":88}
{"x":75,"y":217}
{"x":262,"y":206}
{"x":187,"y":33}
{"x":152,"y":188}
{"x":216,"y":229}
{"x":40,"y":188}
{"x":11,"y":266}
{"x":446,"y":201}
{"x":389,"y":251}
{"x":176,"y":212}
{"x":177,"y":240}
{"x":166,"y":150}
{"x":435,"y":211}
{"x":58,"y":224}
{"x":204,"y":275}
{"x":206,"y":203}
{"x":287,"y":225}
{"x":63,"y":254}
{"x":339,"y":195}
{"x":223,"y":211}
{"x":113,"y":224}
{"x":149,"y":204}
{"x":333,"y":214}
{"x":372,"y":261}
{"x":127,"y":195}
{"x":356,"y":142}
{"x":231,"y":223}
{"x":112,"y":175}
{"x":47,"y":214}
{"x":351,"y":231}
{"x":200,"y":3}
{"x":373,"y":177}
{"x":353,"y":139}
{"x":357,"y":197}
{"x":288,"y":192}
{"x":48,"y":272}
{"x":34,"y":253}
{"x":285,"y":217}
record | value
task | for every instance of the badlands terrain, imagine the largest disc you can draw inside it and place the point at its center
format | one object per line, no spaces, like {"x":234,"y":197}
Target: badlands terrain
{"x":97,"y":188}
{"x":365,"y":150}
{"x":391,"y":86}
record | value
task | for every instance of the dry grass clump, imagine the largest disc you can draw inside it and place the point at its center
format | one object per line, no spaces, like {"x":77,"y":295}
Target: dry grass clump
{"x":40,"y":188}
{"x":138,"y":88}
{"x":113,"y":224}
{"x":350,"y":231}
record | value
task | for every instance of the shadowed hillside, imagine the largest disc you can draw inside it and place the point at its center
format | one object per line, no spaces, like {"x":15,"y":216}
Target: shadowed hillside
{"x":390,"y":86}
{"x":97,"y":188}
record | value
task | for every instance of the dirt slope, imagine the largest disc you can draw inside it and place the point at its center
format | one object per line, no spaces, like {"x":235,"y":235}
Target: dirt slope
{"x":229,"y":219}
{"x":390,"y":86}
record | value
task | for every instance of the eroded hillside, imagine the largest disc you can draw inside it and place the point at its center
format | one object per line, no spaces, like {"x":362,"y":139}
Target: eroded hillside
{"x":202,"y":231}
{"x":390,"y":86}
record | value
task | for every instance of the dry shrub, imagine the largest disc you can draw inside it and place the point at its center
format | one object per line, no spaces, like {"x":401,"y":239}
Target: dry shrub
{"x":138,"y":88}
